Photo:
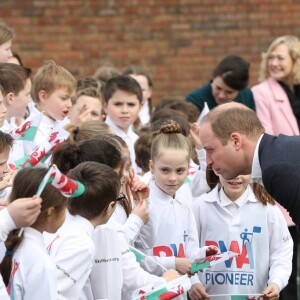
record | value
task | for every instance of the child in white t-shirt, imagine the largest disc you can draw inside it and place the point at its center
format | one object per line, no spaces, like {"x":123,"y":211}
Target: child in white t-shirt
{"x":122,"y":103}
{"x":176,"y":243}
{"x":26,"y":268}
{"x":245,"y":223}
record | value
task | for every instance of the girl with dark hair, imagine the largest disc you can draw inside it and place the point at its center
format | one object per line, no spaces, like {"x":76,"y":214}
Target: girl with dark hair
{"x":27,"y":270}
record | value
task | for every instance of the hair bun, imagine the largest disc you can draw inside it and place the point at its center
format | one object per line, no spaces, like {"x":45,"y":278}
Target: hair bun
{"x":170,"y":127}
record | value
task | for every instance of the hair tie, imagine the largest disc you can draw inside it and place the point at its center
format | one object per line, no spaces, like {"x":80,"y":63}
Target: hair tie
{"x":9,"y":253}
{"x":76,"y":130}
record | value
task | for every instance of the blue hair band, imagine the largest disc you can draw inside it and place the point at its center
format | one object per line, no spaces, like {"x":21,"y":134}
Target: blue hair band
{"x":9,"y":253}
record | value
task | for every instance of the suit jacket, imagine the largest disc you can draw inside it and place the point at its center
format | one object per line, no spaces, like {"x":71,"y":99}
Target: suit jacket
{"x":279,"y":159}
{"x":273,"y":108}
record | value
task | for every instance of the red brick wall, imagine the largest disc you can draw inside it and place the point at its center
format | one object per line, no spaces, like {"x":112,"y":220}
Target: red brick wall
{"x":180,"y":41}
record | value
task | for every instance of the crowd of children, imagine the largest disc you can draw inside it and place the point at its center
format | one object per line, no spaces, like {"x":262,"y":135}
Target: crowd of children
{"x":147,"y":209}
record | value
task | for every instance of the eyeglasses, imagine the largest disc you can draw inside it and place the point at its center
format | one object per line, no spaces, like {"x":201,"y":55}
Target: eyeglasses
{"x":121,"y":197}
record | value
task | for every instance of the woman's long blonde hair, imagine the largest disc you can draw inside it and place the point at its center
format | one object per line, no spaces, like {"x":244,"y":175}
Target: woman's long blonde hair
{"x":293,"y":44}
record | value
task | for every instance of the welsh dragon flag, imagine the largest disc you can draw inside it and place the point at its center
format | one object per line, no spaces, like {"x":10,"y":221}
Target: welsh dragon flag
{"x":41,"y":152}
{"x":68,"y":187}
{"x":208,"y":261}
{"x":27,"y":130}
{"x":56,"y":137}
{"x":24,"y":139}
{"x":167,"y":291}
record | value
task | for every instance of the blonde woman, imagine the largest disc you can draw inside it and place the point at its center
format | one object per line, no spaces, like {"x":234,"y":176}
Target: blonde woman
{"x":277,"y":97}
{"x":6,"y":36}
{"x":277,"y":100}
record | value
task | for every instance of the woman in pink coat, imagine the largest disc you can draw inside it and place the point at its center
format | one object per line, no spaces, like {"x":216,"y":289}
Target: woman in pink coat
{"x":277,"y":97}
{"x":277,"y":100}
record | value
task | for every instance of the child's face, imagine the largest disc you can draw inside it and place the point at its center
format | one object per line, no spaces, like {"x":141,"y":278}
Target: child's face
{"x":5,"y":52}
{"x":91,"y":108}
{"x":3,"y":110}
{"x":19,"y":102}
{"x":3,"y":162}
{"x":236,"y":187}
{"x":57,"y":105}
{"x":123,"y":109}
{"x":170,"y":169}
{"x":144,"y":84}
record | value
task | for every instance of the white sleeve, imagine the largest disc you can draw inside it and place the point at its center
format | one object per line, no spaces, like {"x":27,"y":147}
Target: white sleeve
{"x":132,"y":227}
{"x":6,"y":224}
{"x":196,"y":213}
{"x":134,"y":276}
{"x":106,"y":276}
{"x":3,"y":292}
{"x":148,"y":233}
{"x":42,"y":283}
{"x":193,"y":250}
{"x":281,"y":248}
{"x":199,"y":184}
{"x":169,"y":262}
{"x":74,"y":263}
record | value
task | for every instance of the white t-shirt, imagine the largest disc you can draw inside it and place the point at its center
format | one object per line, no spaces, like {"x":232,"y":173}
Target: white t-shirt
{"x":33,"y":272}
{"x":259,"y":233}
{"x":73,"y":251}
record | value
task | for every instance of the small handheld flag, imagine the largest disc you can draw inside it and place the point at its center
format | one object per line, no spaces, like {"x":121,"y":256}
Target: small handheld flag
{"x":167,"y":291}
{"x":41,"y":152}
{"x":28,"y":129}
{"x":204,"y":112}
{"x":29,"y":160}
{"x":68,"y":187}
{"x":208,"y":261}
{"x":140,"y":256}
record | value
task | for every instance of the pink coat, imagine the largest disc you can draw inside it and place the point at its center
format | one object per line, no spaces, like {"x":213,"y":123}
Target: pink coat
{"x":276,"y":115}
{"x":273,"y":108}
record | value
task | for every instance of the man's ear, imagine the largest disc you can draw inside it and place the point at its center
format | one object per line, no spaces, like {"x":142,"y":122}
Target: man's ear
{"x":42,"y":96}
{"x":237,"y":140}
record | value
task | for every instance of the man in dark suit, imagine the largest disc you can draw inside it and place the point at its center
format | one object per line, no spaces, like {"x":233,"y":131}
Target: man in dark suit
{"x":236,"y":144}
